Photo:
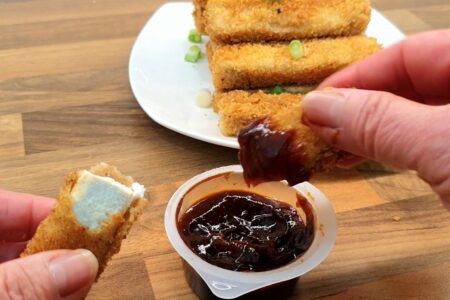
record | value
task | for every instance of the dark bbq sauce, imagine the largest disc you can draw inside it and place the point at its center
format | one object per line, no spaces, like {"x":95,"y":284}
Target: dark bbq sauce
{"x":242,"y":231}
{"x":270,"y":155}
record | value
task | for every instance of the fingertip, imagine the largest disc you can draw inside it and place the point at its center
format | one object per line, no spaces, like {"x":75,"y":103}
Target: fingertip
{"x":91,"y":259}
{"x":324,"y":108}
{"x":73,"y":271}
{"x":42,"y":206}
{"x":306,"y":102}
{"x":20,"y":214}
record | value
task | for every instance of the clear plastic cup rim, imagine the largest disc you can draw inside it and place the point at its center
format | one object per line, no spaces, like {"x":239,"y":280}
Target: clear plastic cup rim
{"x":229,"y":284}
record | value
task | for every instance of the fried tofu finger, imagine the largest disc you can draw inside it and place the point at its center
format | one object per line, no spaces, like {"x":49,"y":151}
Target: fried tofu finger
{"x":274,"y":143}
{"x":237,"y":21}
{"x":199,"y":15}
{"x":95,"y":211}
{"x":257,"y":66}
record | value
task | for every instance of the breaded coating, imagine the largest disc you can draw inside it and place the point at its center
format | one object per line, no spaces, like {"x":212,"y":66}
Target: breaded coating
{"x":237,"y":21}
{"x":237,"y":109}
{"x":258,"y":66}
{"x":210,"y":49}
{"x":275,"y":144}
{"x":61,"y":230}
{"x":199,"y":16}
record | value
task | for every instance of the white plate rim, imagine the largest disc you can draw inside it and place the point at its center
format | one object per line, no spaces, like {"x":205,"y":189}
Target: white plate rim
{"x":230,"y":142}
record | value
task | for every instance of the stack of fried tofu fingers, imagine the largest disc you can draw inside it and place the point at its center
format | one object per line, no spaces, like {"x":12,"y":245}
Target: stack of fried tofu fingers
{"x":249,"y":51}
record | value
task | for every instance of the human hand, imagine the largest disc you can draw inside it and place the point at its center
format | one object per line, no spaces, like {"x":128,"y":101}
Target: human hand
{"x":58,"y":274}
{"x":392,"y":107}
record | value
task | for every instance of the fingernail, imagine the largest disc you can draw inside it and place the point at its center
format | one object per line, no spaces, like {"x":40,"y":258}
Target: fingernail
{"x":73,"y":271}
{"x":324,"y":108}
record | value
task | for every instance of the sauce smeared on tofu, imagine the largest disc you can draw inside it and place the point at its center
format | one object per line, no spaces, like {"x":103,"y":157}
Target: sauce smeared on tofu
{"x":267,"y":154}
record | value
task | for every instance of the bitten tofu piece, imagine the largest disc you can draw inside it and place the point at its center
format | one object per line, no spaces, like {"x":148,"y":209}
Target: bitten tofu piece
{"x":95,"y":210}
{"x":259,"y":66}
{"x":237,"y":21}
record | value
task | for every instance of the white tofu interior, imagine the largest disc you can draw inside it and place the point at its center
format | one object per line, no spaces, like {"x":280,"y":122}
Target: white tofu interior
{"x":95,"y":198}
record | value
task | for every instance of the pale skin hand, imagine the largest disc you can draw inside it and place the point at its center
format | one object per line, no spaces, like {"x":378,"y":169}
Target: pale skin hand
{"x":392,"y":107}
{"x":58,"y":274}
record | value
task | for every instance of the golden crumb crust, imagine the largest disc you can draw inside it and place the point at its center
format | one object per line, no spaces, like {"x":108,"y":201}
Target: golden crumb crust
{"x":237,"y":21}
{"x":60,"y":230}
{"x":237,"y":109}
{"x":257,"y":66}
{"x":199,"y":17}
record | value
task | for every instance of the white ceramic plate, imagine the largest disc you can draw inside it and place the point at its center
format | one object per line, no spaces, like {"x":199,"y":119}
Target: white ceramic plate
{"x":165,"y":85}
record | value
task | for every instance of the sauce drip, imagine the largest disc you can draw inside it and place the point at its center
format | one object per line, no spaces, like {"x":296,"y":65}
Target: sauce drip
{"x":243,"y":231}
{"x":270,"y":155}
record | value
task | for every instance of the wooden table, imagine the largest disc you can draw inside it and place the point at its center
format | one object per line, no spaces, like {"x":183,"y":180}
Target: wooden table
{"x":65,"y":103}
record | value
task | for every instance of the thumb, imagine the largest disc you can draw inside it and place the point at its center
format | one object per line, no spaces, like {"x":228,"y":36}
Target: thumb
{"x":59,"y":274}
{"x":385,"y":127}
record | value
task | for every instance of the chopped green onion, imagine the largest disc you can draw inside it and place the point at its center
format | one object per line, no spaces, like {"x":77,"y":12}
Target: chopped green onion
{"x":194,"y":36}
{"x":276,"y":90}
{"x":296,"y":49}
{"x":193,"y":55}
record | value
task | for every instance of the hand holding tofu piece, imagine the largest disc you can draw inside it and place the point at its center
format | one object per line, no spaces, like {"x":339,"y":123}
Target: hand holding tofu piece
{"x":95,"y":211}
{"x":274,"y":143}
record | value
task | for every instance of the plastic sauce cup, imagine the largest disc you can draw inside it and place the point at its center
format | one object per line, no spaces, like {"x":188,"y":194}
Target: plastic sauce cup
{"x":227,"y":284}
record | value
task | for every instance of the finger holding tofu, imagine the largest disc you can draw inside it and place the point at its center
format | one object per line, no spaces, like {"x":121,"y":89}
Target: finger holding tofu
{"x":95,"y":210}
{"x":277,"y":145}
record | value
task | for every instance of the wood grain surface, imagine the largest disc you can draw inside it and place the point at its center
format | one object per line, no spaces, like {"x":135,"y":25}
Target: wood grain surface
{"x":65,"y":103}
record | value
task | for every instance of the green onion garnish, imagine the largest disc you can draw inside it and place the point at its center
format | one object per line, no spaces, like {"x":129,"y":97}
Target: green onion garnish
{"x":296,"y":49}
{"x":193,"y":55}
{"x":194,"y":36}
{"x":276,"y":90}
